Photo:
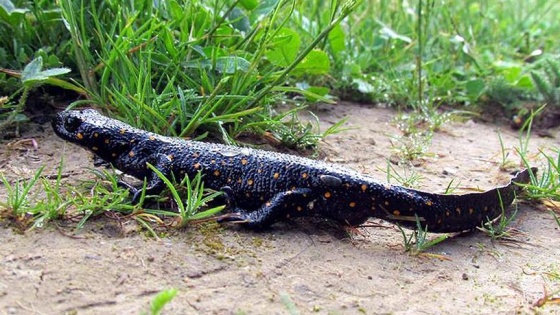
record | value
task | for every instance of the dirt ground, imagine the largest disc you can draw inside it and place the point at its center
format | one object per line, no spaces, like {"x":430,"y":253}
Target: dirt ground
{"x":296,"y":267}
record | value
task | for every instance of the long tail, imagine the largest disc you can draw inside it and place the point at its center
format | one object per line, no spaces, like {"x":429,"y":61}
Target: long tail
{"x":456,"y":213}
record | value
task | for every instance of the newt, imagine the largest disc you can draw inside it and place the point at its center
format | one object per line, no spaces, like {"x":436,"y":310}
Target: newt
{"x":263,"y":187}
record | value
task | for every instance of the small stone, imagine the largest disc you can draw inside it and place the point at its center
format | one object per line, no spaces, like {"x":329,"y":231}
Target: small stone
{"x":449,"y":171}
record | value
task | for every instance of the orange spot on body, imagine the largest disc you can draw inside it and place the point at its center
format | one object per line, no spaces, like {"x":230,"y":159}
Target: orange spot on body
{"x":79,"y":136}
{"x":364,"y":187}
{"x":131,"y":153}
{"x":429,"y":203}
{"x":216,"y":173}
{"x":244,"y":161}
{"x":196,"y":166}
{"x":122,"y":131}
{"x":304,"y":175}
{"x":276,"y":176}
{"x":151,"y":138}
{"x":249,"y":182}
{"x":396,"y":212}
{"x":327,"y":194}
{"x":352,"y":204}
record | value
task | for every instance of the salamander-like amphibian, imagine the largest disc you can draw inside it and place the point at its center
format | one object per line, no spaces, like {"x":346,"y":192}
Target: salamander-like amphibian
{"x":264,"y":187}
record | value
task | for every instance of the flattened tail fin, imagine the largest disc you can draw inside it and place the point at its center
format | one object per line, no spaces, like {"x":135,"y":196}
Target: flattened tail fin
{"x":457,"y":213}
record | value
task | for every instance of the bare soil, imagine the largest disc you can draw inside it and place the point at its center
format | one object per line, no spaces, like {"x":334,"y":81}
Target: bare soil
{"x":302,"y":265}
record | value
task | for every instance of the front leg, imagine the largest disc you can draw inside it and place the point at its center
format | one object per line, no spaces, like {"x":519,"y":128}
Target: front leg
{"x":154,"y":184}
{"x":281,"y":205}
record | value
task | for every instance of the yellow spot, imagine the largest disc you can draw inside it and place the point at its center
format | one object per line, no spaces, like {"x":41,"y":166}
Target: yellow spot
{"x":244,"y":161}
{"x":276,"y":175}
{"x":132,"y":141}
{"x":471,"y":210}
{"x":95,"y":134}
{"x":107,"y":141}
{"x":196,"y":166}
{"x":122,"y":131}
{"x":397,"y":212}
{"x":249,"y":182}
{"x":304,"y":175}
{"x":259,"y":171}
{"x":216,"y":173}
{"x":131,"y":153}
{"x":364,"y":187}
{"x":352,"y":204}
{"x":212,"y":161}
{"x":386,"y":203}
{"x":299,"y":208}
{"x":170,"y":157}
{"x":327,"y":194}
{"x":268,"y":204}
{"x":196,"y":155}
{"x":447,"y":213}
{"x":229,"y":180}
{"x":113,"y":154}
{"x":79,"y":135}
{"x":429,"y":203}
{"x":94,"y":148}
{"x":151,"y":138}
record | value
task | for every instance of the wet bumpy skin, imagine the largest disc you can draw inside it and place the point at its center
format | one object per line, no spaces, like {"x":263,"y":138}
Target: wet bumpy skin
{"x":264,"y":187}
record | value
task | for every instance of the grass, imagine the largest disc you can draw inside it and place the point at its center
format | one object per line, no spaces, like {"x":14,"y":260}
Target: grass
{"x":160,"y":300}
{"x":179,"y":68}
{"x":419,"y":241}
{"x":500,"y":227}
{"x":36,"y":201}
{"x":218,"y":68}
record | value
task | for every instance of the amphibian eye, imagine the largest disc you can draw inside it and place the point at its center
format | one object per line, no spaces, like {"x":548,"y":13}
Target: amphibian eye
{"x":72,"y":123}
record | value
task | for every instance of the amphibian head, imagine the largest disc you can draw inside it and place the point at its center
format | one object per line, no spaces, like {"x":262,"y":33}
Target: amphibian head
{"x":104,"y":136}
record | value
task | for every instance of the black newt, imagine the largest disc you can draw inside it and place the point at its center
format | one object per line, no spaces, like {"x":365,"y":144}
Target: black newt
{"x":264,"y":187}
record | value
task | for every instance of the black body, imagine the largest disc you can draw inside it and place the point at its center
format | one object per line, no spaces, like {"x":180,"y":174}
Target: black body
{"x":263,"y":187}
